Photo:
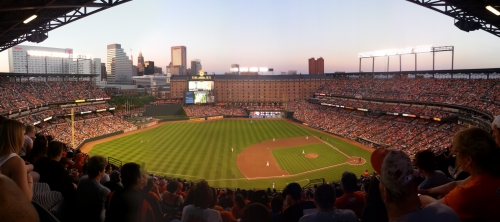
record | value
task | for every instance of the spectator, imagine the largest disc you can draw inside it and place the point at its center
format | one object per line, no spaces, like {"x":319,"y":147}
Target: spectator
{"x":39,"y":149}
{"x":115,"y":181}
{"x":324,"y":199}
{"x":475,"y":198}
{"x":131,"y":203}
{"x":151,"y":189}
{"x":90,"y":194}
{"x":106,"y":178}
{"x":11,"y":165}
{"x":276,"y":207}
{"x":295,"y":207}
{"x":162,"y":186}
{"x":353,"y":199}
{"x":495,"y":127}
{"x":171,"y":197}
{"x":398,"y":189}
{"x":375,"y":208}
{"x":199,"y":210}
{"x":28,"y":142}
{"x":13,"y":208}
{"x":239,"y":206}
{"x":425,"y":161}
{"x":226,"y":216}
{"x":255,"y":212}
{"x":227,"y":202}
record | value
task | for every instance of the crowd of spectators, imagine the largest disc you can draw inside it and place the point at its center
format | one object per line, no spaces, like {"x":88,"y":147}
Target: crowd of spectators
{"x":408,"y":134}
{"x":480,"y":94}
{"x":21,"y":95}
{"x":209,"y":110}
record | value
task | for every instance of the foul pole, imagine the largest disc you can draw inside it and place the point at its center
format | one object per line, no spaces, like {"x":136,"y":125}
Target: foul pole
{"x":73,"y":128}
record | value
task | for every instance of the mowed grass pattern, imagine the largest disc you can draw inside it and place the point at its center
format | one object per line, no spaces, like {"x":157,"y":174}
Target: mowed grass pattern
{"x":202,"y":150}
{"x":292,"y":160}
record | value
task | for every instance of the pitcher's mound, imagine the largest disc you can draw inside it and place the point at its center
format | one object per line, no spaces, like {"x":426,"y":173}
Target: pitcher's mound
{"x":311,"y":155}
{"x":356,"y":161}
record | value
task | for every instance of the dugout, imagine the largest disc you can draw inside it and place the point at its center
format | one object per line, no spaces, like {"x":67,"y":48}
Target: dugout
{"x":163,"y":110}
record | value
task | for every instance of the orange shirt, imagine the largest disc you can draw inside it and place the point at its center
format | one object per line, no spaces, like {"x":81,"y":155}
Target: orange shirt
{"x":354,"y":201}
{"x":478,"y":199}
{"x":225,"y":215}
{"x":237,"y":211}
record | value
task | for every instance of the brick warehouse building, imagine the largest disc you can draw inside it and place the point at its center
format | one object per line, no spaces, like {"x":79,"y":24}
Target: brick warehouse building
{"x":260,"y":88}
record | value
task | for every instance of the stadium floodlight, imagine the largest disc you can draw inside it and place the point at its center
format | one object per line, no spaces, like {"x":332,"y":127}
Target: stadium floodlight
{"x":243,"y":69}
{"x":30,"y":19}
{"x":253,"y":69}
{"x":422,"y":49}
{"x":263,"y":69}
{"x":493,"y":10}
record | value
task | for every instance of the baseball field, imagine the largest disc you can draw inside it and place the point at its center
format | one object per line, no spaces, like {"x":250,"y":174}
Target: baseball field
{"x":240,"y":153}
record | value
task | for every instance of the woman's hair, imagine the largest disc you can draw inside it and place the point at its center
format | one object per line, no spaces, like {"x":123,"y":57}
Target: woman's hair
{"x":202,"y":195}
{"x":172,"y":186}
{"x":55,"y":148}
{"x":39,"y":148}
{"x":373,"y":195}
{"x":480,"y":146}
{"x":11,"y":137}
{"x":151,"y":183}
{"x":240,"y":201}
{"x":190,"y":196}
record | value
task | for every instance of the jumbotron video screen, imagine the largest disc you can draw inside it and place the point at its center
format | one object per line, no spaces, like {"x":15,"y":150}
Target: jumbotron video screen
{"x":200,"y":92}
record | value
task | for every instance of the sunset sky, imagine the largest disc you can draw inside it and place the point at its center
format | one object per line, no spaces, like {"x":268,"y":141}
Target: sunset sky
{"x":279,"y":34}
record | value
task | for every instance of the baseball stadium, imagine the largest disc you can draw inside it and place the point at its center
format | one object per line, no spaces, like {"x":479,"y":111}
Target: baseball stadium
{"x":242,"y":131}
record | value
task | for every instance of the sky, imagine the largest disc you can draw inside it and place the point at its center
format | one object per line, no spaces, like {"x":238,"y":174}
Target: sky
{"x":279,"y":34}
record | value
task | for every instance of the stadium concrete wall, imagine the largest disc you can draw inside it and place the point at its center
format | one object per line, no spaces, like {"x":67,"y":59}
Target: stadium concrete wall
{"x":163,"y":110}
{"x":98,"y":138}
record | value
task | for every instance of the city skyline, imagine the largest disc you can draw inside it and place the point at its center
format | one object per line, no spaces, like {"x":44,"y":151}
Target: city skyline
{"x":279,"y":34}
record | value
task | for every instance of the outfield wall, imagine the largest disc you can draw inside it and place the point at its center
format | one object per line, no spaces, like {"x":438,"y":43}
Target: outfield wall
{"x":98,"y":138}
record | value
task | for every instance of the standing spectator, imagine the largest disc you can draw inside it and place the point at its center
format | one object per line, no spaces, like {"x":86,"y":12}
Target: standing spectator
{"x":106,"y":178}
{"x":239,"y":206}
{"x":11,"y":165}
{"x":131,"y":203}
{"x":353,"y":199}
{"x":198,"y":210}
{"x":398,"y":189}
{"x":295,"y":207}
{"x":425,"y":161}
{"x":375,"y":208}
{"x":90,"y":194}
{"x":324,"y":199}
{"x":29,"y":136}
{"x":475,"y":198}
{"x":495,"y":127}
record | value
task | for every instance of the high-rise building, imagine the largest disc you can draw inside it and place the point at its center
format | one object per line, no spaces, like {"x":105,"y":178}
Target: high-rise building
{"x":158,"y":70}
{"x":118,"y":65}
{"x":178,"y":60}
{"x":104,"y":74}
{"x":149,"y":68}
{"x":34,"y":59}
{"x":316,"y":67}
{"x":87,"y":65}
{"x":195,"y":67}
{"x":140,"y":65}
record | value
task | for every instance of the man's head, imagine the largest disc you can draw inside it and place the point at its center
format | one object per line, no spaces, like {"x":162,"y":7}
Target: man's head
{"x":425,"y":161}
{"x":202,"y":195}
{"x":132,"y":176}
{"x":349,"y":182}
{"x":55,"y":150}
{"x":30,"y":131}
{"x":324,"y":198}
{"x":95,"y":166}
{"x":397,"y":182}
{"x":292,"y":191}
{"x":172,"y":187}
{"x":255,"y":212}
{"x":495,"y":127}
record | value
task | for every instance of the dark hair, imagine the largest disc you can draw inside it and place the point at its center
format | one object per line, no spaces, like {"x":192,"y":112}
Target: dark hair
{"x":130,"y":173}
{"x":325,"y":196}
{"x":240,"y":201}
{"x":190,"y":195}
{"x":39,"y":148}
{"x":244,"y":193}
{"x":30,"y":128}
{"x":249,"y":194}
{"x":202,"y":195}
{"x":373,"y":194}
{"x":277,"y":204}
{"x":213,"y":202}
{"x":294,"y":190}
{"x":55,"y":148}
{"x":426,"y":160}
{"x":149,"y":186}
{"x":260,"y":196}
{"x":349,"y":182}
{"x":95,"y":165}
{"x":172,"y":186}
{"x":255,"y":212}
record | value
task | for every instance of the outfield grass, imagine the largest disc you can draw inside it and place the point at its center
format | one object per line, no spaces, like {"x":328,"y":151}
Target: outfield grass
{"x":292,"y":160}
{"x":201,"y":150}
